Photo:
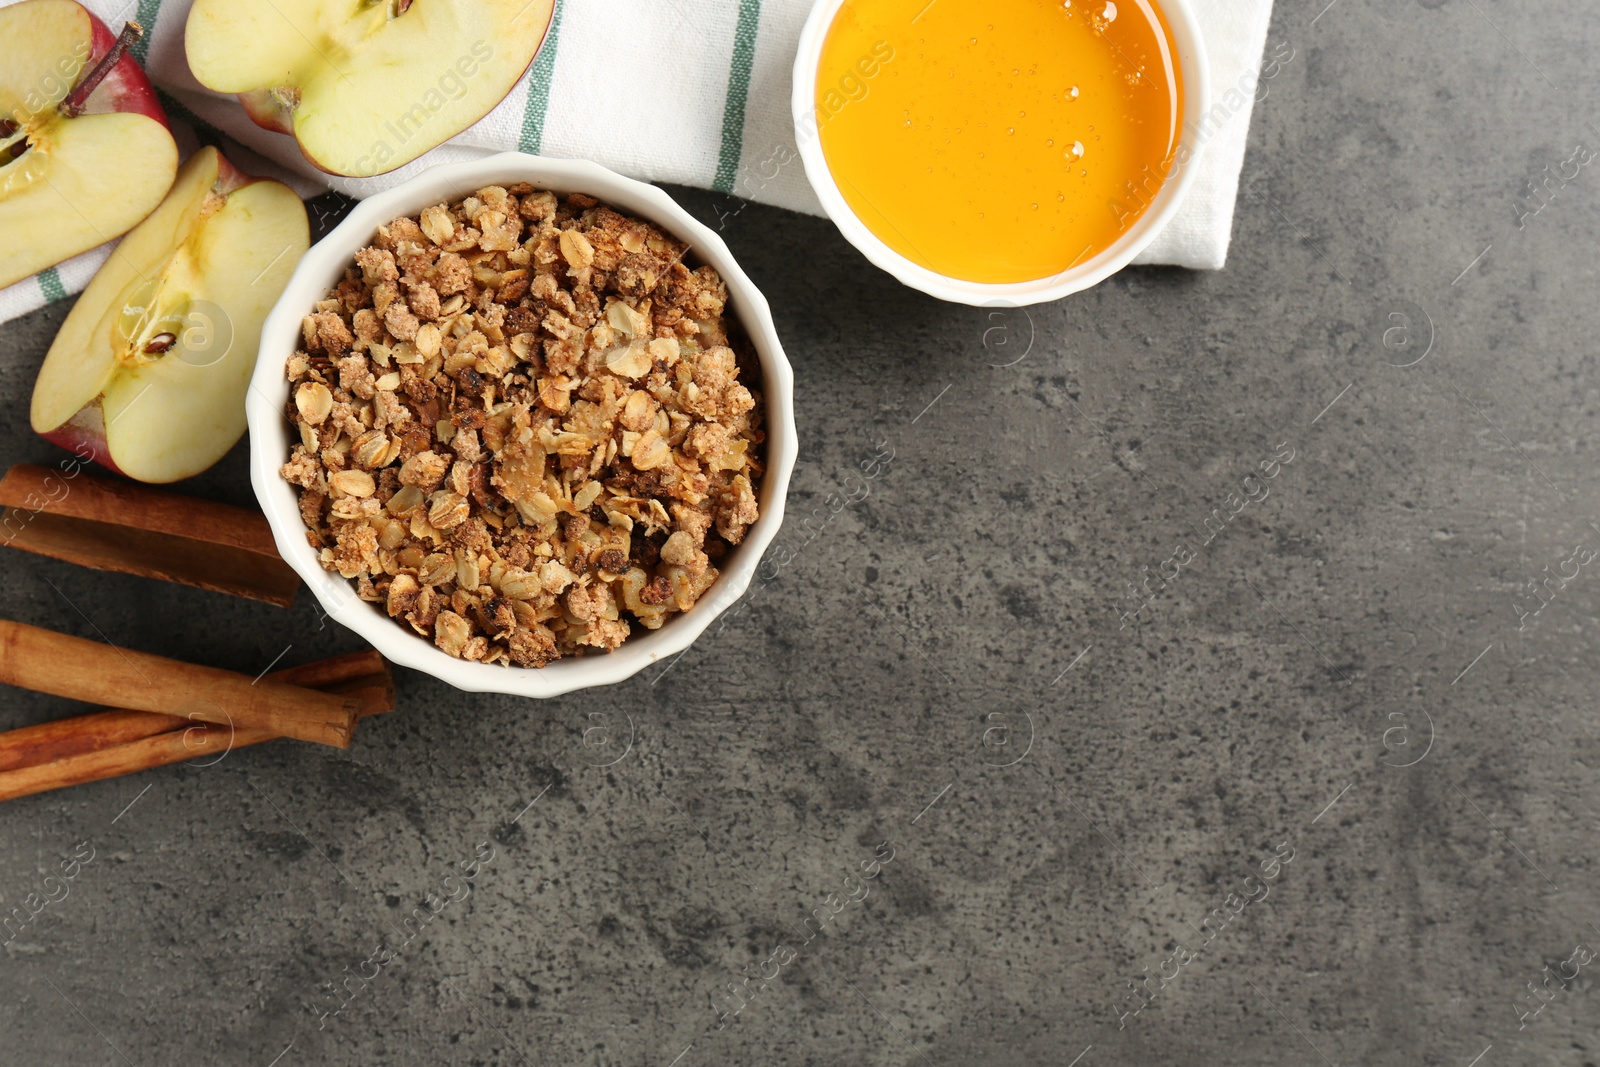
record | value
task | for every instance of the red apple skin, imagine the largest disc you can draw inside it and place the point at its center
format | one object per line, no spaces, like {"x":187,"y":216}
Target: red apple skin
{"x":125,"y":87}
{"x":230,"y":177}
{"x":266,"y":111}
{"x":83,"y":443}
{"x":89,"y":441}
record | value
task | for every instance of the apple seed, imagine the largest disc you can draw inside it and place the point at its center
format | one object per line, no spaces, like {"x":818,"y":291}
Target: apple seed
{"x":160,"y":343}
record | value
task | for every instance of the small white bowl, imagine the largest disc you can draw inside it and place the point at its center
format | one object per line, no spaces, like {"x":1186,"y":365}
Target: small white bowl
{"x":270,"y":438}
{"x":1191,"y":62}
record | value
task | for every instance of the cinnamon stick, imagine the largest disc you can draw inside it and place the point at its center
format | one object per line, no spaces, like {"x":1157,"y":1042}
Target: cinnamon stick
{"x":158,"y":750}
{"x":48,"y":742}
{"x":185,"y":742}
{"x":322,"y":673}
{"x":31,"y":746}
{"x":79,"y":669}
{"x":110,"y":525}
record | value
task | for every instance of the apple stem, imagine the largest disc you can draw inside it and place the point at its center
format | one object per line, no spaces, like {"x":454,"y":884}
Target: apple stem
{"x":78,"y":99}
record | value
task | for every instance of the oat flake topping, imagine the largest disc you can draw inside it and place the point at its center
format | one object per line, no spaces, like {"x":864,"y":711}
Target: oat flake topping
{"x":522,"y":426}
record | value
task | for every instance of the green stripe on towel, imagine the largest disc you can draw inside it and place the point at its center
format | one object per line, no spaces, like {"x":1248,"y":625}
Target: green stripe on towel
{"x":149,"y":11}
{"x":50,"y":285}
{"x":206,"y":133}
{"x":544,"y":65}
{"x":744,"y":52}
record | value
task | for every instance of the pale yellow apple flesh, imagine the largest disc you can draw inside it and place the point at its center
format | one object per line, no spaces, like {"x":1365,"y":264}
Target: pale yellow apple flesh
{"x":363,"y":88}
{"x":156,"y":356}
{"x":82,"y":181}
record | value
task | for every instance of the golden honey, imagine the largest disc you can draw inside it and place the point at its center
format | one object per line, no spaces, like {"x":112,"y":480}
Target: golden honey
{"x":1002,"y":141}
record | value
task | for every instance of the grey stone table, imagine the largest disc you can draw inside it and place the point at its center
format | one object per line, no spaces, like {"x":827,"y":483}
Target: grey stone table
{"x":1178,"y":680}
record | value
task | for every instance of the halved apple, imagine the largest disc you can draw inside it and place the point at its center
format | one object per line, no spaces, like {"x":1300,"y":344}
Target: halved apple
{"x":149,"y":372}
{"x":84,"y":147}
{"x":365,"y":86}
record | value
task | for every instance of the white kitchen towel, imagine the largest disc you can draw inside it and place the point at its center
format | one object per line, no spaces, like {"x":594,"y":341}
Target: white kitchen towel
{"x":694,"y":92}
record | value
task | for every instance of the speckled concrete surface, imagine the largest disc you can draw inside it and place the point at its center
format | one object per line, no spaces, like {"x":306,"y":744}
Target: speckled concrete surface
{"x":1326,"y":795}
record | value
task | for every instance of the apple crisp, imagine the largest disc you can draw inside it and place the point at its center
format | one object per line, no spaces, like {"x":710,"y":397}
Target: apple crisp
{"x":523,"y":429}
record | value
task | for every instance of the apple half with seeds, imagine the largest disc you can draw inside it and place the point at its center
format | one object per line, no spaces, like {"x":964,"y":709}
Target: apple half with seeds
{"x":84,"y":148}
{"x":365,"y":86}
{"x":149,"y":372}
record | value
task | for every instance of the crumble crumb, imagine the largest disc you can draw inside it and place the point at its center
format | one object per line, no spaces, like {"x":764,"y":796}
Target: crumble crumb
{"x":525,"y":430}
